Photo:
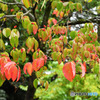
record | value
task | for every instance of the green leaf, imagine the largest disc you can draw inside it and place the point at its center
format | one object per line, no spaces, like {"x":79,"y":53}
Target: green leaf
{"x":53,"y":5}
{"x":25,"y":22}
{"x":30,"y":28}
{"x":96,"y":68}
{"x":12,"y":41}
{"x":54,"y":56}
{"x":16,"y":41}
{"x":41,"y":54}
{"x":30,"y":43}
{"x":14,"y":33}
{"x":23,"y":56}
{"x":65,"y":52}
{"x":72,"y":6}
{"x":1,"y":15}
{"x":6,"y":32}
{"x":73,"y":34}
{"x":59,"y":6}
{"x":36,"y":44}
{"x":5,"y":53}
{"x":35,"y":83}
{"x":23,"y":87}
{"x":83,"y":30}
{"x":78,"y":98}
{"x":15,"y":54}
{"x":65,"y":40}
{"x":4,"y":7}
{"x":1,"y":79}
{"x":98,"y":9}
{"x":34,"y":56}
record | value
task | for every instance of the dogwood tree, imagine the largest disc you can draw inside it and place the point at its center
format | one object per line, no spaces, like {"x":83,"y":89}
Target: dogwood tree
{"x":34,"y":32}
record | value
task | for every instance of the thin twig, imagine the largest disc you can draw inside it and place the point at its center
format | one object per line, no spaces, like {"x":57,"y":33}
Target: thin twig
{"x":11,"y":3}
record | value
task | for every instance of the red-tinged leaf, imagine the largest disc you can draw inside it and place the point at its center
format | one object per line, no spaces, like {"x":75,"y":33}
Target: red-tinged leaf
{"x":28,"y":67}
{"x":7,"y":74}
{"x":13,"y":71}
{"x":7,"y":66}
{"x":34,"y":64}
{"x":73,"y":68}
{"x":54,"y":21}
{"x":61,"y":14}
{"x":49,"y":21}
{"x":9,"y":70}
{"x":4,"y":54}
{"x":19,"y":74}
{"x":83,"y":69}
{"x":55,"y":12}
{"x":38,"y":63}
{"x":35,"y":28}
{"x":84,"y":66}
{"x":69,"y":71}
{"x":45,"y":58}
{"x":3,"y":62}
{"x":19,"y":15}
{"x":8,"y":59}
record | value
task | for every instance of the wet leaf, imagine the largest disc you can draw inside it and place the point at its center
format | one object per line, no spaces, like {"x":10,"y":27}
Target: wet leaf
{"x":69,"y":71}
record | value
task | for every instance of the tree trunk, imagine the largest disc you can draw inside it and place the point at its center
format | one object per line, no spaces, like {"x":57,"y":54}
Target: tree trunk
{"x":31,"y":90}
{"x":99,"y":32}
{"x":46,"y":14}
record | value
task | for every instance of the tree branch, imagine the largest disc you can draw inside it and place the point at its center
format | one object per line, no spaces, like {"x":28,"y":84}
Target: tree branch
{"x":11,"y":3}
{"x":31,"y":15}
{"x":92,"y":20}
{"x":11,"y":16}
{"x":33,"y":11}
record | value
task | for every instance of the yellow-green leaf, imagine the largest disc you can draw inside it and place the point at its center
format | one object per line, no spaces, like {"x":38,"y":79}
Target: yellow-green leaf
{"x":2,"y":45}
{"x":36,"y":44}
{"x":26,"y":3}
{"x":46,"y":85}
{"x":6,"y":32}
{"x":35,"y":83}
